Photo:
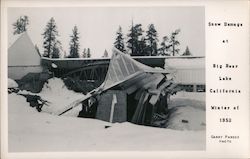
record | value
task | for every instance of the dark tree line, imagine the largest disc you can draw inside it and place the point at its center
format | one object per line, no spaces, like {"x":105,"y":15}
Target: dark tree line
{"x":52,"y":46}
{"x":139,"y":44}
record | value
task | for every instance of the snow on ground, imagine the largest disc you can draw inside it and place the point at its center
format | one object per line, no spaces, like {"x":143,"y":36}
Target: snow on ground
{"x":187,"y":118}
{"x":58,"y":95}
{"x":200,"y":96}
{"x":187,"y":111}
{"x":30,"y":131}
{"x":12,"y":83}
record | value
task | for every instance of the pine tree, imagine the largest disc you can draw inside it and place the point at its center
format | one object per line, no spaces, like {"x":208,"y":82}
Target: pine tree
{"x":88,"y":53}
{"x":105,"y":54}
{"x":164,"y":49}
{"x":131,"y":40}
{"x":50,"y":34}
{"x":174,"y":43}
{"x":119,"y":41}
{"x":187,"y":52}
{"x":20,"y":25}
{"x":56,"y":50}
{"x":143,"y":49}
{"x":134,"y":39}
{"x":152,"y":40}
{"x":84,"y":53}
{"x":74,"y":44}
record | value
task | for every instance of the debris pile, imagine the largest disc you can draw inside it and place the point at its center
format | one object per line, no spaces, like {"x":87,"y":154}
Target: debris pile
{"x":131,"y":92}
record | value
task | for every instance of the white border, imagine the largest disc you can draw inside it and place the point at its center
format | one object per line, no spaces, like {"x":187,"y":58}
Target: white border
{"x":94,"y":3}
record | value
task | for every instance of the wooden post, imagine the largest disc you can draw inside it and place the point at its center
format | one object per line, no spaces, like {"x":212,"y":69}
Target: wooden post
{"x":114,"y":101}
{"x":194,"y":88}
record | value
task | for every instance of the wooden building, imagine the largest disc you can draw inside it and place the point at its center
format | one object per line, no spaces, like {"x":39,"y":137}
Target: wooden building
{"x":190,"y":72}
{"x":131,"y":92}
{"x":23,"y":58}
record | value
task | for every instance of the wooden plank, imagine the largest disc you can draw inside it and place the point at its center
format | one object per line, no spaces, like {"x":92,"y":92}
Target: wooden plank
{"x":138,"y":115}
{"x":139,"y":94}
{"x":138,"y":108}
{"x":154,"y":99}
{"x":131,"y":89}
{"x":104,"y":109}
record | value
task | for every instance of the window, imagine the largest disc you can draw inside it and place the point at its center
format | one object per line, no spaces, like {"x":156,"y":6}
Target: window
{"x":200,"y":88}
{"x":187,"y":88}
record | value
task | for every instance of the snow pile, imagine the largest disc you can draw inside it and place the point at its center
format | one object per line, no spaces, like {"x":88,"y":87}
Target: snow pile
{"x":187,"y":111}
{"x":30,"y":131}
{"x":18,"y":105}
{"x":58,"y":96}
{"x":12,"y":83}
{"x":187,"y":118}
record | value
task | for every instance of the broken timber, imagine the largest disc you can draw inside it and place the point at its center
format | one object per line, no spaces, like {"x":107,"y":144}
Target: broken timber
{"x":130,"y":76}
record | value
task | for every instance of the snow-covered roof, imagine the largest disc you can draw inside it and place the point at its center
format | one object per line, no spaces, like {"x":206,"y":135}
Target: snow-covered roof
{"x":23,"y":53}
{"x":189,"y":70}
{"x":186,"y":63}
{"x":190,"y":76}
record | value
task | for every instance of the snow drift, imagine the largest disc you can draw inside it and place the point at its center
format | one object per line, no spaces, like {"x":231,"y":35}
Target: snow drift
{"x":12,"y":83}
{"x":30,"y":131}
{"x":58,"y":96}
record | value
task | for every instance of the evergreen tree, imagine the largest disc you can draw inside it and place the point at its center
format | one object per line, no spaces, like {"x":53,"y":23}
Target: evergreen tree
{"x":164,"y":49}
{"x":105,"y":54}
{"x":143,"y":49}
{"x":119,"y":41}
{"x":74,"y":44}
{"x":88,"y":53}
{"x":84,"y":53}
{"x":174,"y":42}
{"x":187,"y":52}
{"x":20,"y":25}
{"x":50,"y":34}
{"x":56,"y":50}
{"x":152,"y":40}
{"x":134,"y":39}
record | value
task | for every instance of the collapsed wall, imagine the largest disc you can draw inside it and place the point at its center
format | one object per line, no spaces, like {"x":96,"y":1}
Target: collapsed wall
{"x":131,"y":91}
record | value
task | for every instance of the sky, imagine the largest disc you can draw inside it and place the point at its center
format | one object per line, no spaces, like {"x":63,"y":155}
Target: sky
{"x":98,"y":25}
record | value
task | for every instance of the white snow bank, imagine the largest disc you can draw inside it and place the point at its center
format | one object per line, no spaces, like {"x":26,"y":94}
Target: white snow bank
{"x":12,"y":83}
{"x":200,"y":96}
{"x":30,"y":131}
{"x":58,"y":96}
{"x":187,"y":118}
{"x":187,"y":111}
{"x":17,"y":104}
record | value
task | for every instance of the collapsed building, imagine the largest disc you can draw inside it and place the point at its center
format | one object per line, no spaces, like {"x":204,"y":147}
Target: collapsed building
{"x":130,"y":92}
